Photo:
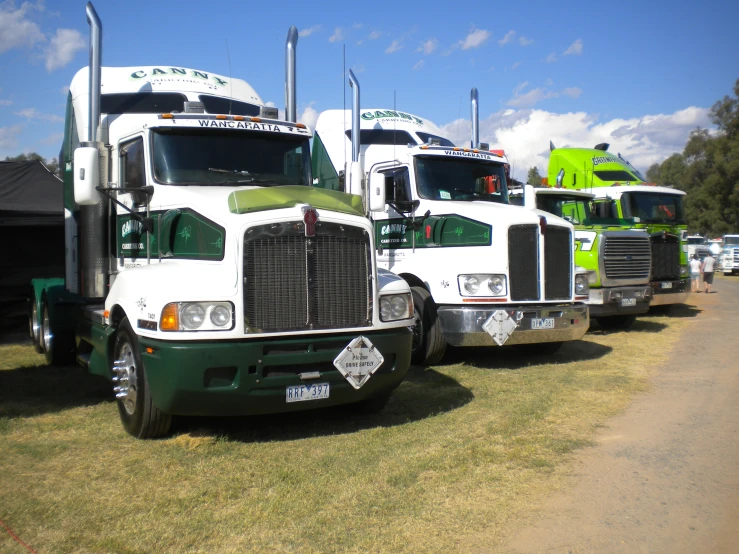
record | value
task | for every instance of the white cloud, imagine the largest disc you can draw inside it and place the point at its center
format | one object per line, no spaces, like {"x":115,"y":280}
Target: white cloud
{"x":358,"y":68}
{"x":9,"y":140}
{"x":475,"y":39}
{"x":62,"y":48}
{"x":5,"y":102}
{"x":515,"y":65}
{"x":523,"y":41}
{"x":395,"y":45}
{"x":56,"y":138}
{"x":575,"y":48}
{"x":530,"y":98}
{"x":525,"y":134}
{"x":551,"y":58}
{"x":549,"y":82}
{"x":507,"y":38}
{"x":309,"y":31}
{"x":357,"y":26}
{"x":309,"y":116}
{"x":572,"y":92}
{"x":337,"y":36}
{"x":428,"y":46}
{"x":33,"y":113}
{"x":374,"y":35}
{"x":419,"y":65}
{"x":16,"y":30}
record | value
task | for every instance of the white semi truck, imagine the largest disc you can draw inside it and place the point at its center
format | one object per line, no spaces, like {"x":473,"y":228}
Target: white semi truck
{"x":729,"y":259}
{"x":205,"y":276}
{"x":482,"y":272}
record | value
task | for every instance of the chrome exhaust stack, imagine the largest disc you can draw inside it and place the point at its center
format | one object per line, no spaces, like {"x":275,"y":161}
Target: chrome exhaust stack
{"x":96,"y":54}
{"x":290,"y":86}
{"x":355,"y":115}
{"x":475,"y":118}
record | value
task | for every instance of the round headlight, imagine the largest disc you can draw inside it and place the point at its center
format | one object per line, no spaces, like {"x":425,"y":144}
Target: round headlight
{"x":496,"y":285}
{"x":471,"y":284}
{"x":220,"y":316}
{"x":192,"y":316}
{"x":385,"y":309}
{"x":398,"y":307}
{"x":581,"y":285}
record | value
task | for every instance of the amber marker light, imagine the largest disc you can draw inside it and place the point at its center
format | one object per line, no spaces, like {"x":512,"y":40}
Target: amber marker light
{"x":239,"y":118}
{"x":167,"y":116}
{"x":149,"y":350}
{"x":300,"y":125}
{"x":256,"y":119}
{"x":221,"y":117}
{"x":170,"y":320}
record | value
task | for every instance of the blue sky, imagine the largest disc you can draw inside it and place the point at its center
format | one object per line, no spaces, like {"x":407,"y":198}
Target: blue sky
{"x":639,"y":75}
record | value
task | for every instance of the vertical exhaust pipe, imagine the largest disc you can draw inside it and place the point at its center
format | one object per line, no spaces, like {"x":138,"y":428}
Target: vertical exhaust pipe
{"x":290,"y":86}
{"x":355,"y":115}
{"x":96,"y":53}
{"x":475,"y":118}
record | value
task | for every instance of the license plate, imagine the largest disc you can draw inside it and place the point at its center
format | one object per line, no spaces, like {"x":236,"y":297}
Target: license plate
{"x":301,"y":393}
{"x":542,"y":323}
{"x":666,"y":285}
{"x":628,"y":301}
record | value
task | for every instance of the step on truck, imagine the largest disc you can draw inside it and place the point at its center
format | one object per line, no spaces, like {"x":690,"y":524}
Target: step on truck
{"x":618,"y":262}
{"x":482,"y":272}
{"x":729,"y":258}
{"x":622,"y":193}
{"x":204,"y":275}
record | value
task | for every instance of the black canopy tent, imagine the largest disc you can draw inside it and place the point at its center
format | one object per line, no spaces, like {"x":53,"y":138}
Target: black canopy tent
{"x":32,"y":227}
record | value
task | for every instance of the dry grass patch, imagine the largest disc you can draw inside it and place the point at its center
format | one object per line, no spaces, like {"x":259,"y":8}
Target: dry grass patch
{"x":459,"y":450}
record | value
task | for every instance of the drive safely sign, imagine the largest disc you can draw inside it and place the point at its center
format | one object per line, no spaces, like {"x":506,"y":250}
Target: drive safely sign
{"x":358,"y":361}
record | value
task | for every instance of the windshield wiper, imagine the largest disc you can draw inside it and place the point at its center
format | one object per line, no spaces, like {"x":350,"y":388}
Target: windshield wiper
{"x":236,"y":171}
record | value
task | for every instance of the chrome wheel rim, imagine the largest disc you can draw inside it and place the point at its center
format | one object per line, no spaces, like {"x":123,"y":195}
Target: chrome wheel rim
{"x":46,"y":330}
{"x":125,"y":377}
{"x":34,"y":323}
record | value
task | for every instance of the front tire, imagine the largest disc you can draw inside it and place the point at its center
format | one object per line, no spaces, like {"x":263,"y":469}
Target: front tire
{"x":139,"y":416}
{"x":429,"y":345}
{"x":34,"y":326}
{"x":616,"y":322}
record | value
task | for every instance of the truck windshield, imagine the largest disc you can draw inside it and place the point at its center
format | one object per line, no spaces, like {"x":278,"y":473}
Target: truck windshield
{"x":731,"y":241}
{"x":696,"y":240}
{"x":225,"y":157}
{"x":577,"y":210}
{"x":653,"y":207}
{"x":460,"y":179}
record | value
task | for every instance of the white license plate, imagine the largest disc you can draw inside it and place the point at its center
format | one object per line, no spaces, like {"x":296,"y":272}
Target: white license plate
{"x":542,"y":323}
{"x":301,"y":393}
{"x":666,"y":285}
{"x":628,"y":301}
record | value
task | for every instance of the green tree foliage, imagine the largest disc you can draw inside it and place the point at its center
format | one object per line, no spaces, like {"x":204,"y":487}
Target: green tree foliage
{"x":534,"y":178}
{"x":52,"y":165}
{"x":708,"y":170}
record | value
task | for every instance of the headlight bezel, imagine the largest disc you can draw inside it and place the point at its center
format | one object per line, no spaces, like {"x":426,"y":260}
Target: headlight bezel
{"x":486,"y":285}
{"x":389,"y":313}
{"x":582,"y":284}
{"x":176,"y":314}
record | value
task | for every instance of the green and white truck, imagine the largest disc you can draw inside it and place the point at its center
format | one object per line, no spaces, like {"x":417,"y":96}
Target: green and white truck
{"x":482,"y":272}
{"x":204,"y":274}
{"x":618,"y":261}
{"x":621,"y":193}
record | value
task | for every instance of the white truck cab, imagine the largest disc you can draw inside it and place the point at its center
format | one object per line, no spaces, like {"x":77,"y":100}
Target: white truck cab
{"x":729,"y":259}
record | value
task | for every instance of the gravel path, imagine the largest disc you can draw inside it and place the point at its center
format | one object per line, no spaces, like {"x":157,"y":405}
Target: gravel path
{"x":665,"y":474}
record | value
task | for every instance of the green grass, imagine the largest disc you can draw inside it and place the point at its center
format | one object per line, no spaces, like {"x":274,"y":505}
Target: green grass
{"x":459,"y":451}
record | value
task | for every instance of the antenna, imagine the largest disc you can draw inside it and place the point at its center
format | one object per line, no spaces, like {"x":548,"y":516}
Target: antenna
{"x":394,"y":123}
{"x":344,"y":111}
{"x":230,"y":80}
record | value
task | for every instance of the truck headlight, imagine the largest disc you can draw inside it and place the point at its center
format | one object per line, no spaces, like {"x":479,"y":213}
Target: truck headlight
{"x":582,"y":287}
{"x":683,"y":270}
{"x":482,"y":285}
{"x":396,"y":306}
{"x":197,"y":316}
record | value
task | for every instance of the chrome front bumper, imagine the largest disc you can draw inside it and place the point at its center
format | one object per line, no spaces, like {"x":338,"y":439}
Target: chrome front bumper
{"x":463,"y":325}
{"x":609,"y":301}
{"x":677,"y":294}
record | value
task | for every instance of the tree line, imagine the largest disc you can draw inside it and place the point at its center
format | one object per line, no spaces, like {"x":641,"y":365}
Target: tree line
{"x":52,"y":165}
{"x":708,"y":170}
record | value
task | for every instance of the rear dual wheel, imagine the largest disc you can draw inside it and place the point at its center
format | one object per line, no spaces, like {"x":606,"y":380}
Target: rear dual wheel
{"x":429,"y":345}
{"x":57,"y":346}
{"x":34,"y":326}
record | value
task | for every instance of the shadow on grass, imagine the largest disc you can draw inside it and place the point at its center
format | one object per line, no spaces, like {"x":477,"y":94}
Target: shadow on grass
{"x":30,"y":391}
{"x":517,"y":357}
{"x":424,"y":393}
{"x":675,"y":311}
{"x":639,"y":326}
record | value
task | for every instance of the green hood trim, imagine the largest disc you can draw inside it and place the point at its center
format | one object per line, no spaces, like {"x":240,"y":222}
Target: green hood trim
{"x":273,"y":198}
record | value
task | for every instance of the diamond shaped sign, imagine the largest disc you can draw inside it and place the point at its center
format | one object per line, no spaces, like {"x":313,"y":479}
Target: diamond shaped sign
{"x":358,"y":361}
{"x":500,"y":326}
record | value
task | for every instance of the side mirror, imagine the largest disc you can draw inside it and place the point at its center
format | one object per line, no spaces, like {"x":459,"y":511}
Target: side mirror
{"x":355,"y":179}
{"x":167,"y":222}
{"x":529,"y":197}
{"x":86,"y":176}
{"x":560,"y":178}
{"x":377,"y":192}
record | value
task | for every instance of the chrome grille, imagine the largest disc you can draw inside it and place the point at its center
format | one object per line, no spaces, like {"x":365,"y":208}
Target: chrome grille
{"x":557,"y":263}
{"x":523,"y":257}
{"x":665,"y":257}
{"x":293,"y":282}
{"x":627,"y":258}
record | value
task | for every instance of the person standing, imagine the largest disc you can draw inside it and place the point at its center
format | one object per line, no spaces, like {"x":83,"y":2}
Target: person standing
{"x":695,"y":272}
{"x":707,"y":269}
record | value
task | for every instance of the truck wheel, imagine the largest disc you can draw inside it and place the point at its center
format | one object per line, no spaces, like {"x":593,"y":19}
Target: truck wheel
{"x":34,"y":327}
{"x":57,"y":346}
{"x":429,"y":345}
{"x":139,"y":416}
{"x":616,"y":322}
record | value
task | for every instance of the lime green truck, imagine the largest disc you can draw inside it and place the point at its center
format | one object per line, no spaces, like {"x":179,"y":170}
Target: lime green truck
{"x":622,"y":194}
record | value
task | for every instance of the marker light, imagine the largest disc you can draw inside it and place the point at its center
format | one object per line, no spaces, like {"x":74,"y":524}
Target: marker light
{"x":170,"y":320}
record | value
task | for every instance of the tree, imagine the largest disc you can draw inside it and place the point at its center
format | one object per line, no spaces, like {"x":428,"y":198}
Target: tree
{"x":534,"y":177}
{"x":52,"y":165}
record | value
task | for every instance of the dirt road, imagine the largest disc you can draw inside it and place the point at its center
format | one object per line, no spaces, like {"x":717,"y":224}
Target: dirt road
{"x":664,"y":476}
